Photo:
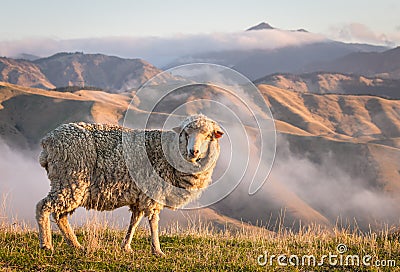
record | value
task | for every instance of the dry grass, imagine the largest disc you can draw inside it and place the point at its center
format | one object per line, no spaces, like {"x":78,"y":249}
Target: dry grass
{"x":198,"y":247}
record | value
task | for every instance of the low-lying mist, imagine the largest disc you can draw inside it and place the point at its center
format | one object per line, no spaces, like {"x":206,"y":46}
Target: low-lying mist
{"x":299,"y":191}
{"x":302,"y":191}
{"x":24,"y":182}
{"x":160,"y":51}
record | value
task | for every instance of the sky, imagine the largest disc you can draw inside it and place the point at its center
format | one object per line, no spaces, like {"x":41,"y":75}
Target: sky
{"x":158,"y":31}
{"x":129,"y":28}
{"x":99,"y":18}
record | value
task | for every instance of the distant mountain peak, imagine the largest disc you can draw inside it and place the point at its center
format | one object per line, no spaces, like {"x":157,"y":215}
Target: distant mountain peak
{"x":25,"y":56}
{"x":302,"y":30}
{"x":264,"y":25}
{"x":261,"y":26}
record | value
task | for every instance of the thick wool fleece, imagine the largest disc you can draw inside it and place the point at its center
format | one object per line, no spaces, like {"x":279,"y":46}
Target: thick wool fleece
{"x":105,"y":167}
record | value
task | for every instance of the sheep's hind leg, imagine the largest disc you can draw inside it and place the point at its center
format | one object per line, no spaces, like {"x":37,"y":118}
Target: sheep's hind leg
{"x":43,"y":210}
{"x":66,"y":230}
{"x":135,"y":220}
{"x":155,"y":242}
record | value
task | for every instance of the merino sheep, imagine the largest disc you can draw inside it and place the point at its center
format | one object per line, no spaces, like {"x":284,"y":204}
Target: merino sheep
{"x":104,"y":167}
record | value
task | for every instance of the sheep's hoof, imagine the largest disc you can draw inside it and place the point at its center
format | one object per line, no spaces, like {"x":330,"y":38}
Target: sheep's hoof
{"x":79,"y":248}
{"x":158,"y":253}
{"x":127,"y":249}
{"x":47,"y":248}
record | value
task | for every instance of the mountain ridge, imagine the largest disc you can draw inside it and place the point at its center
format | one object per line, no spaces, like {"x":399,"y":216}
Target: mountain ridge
{"x":380,"y":64}
{"x":64,"y":69}
{"x":115,"y":74}
{"x":23,"y":72}
{"x":257,"y":63}
{"x":334,"y":83}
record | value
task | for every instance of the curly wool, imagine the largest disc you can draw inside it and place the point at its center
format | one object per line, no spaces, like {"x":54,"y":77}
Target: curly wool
{"x":199,"y":122}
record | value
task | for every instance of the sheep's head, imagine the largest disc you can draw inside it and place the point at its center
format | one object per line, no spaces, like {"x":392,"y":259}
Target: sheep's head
{"x":197,"y":132}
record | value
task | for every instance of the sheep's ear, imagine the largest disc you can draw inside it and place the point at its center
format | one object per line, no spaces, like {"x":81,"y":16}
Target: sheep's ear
{"x":177,"y":129}
{"x":218,"y":134}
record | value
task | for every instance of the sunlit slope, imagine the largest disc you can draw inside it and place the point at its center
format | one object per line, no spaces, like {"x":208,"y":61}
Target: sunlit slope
{"x":27,"y":114}
{"x":341,"y":117}
{"x":357,"y":135}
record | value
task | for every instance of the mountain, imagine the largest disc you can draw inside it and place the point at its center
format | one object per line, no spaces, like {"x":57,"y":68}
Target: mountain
{"x":107,"y":72}
{"x":260,"y":26}
{"x":256,"y":63}
{"x":324,"y":82}
{"x":266,"y":26}
{"x":373,"y":64}
{"x":285,"y":51}
{"x":23,"y":72}
{"x":338,"y":155}
{"x":115,"y":74}
{"x":25,"y":56}
{"x":302,"y":30}
{"x":110,"y":73}
{"x":293,"y":59}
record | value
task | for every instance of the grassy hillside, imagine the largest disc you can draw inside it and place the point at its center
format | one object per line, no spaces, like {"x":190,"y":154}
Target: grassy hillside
{"x":198,"y":249}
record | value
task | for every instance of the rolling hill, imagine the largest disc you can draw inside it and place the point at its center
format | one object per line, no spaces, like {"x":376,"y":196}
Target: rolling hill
{"x":336,"y":83}
{"x":338,"y":155}
{"x":338,"y":158}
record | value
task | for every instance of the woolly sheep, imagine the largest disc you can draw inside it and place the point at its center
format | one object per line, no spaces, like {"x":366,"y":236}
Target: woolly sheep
{"x":104,"y":167}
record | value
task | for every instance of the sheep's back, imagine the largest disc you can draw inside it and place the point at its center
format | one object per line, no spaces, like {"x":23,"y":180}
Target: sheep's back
{"x":68,"y":152}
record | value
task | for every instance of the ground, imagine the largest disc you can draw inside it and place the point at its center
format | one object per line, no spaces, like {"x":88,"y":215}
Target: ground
{"x":200,"y":248}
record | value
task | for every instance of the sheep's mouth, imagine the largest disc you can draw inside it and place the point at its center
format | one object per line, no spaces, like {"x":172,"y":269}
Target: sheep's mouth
{"x":194,"y":159}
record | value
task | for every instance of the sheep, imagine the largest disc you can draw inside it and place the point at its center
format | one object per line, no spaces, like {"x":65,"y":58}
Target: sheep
{"x":104,"y":167}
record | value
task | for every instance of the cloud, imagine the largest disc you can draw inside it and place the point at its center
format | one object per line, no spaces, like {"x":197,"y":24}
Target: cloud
{"x":327,"y":188}
{"x":161,"y":50}
{"x":23,"y":183}
{"x":356,"y":32}
{"x":309,"y":191}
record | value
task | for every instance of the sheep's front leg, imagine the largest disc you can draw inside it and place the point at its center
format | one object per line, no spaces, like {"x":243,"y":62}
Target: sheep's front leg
{"x":43,"y":210}
{"x":135,"y":220}
{"x":66,"y":230}
{"x":155,"y":243}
